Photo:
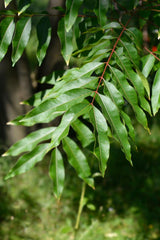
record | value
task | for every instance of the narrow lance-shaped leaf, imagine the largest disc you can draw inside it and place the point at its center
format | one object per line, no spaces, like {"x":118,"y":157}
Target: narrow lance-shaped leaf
{"x":21,"y":37}
{"x":28,"y":160}
{"x":130,"y":95}
{"x":23,"y":5}
{"x":30,"y":141}
{"x":6,"y":2}
{"x":112,"y":114}
{"x":133,"y":56}
{"x":66,"y":41}
{"x":7,"y":27}
{"x":155,"y":99}
{"x":85,"y":71}
{"x":56,"y":172}
{"x":72,"y":8}
{"x":69,"y":117}
{"x":52,"y":108}
{"x":113,"y":92}
{"x":148,"y":63}
{"x":101,"y":128}
{"x":77,"y":159}
{"x":44,"y":37}
{"x":129,"y":125}
{"x":84,"y":134}
{"x":101,"y":11}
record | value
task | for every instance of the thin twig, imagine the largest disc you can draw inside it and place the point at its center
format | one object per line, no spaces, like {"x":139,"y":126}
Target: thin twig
{"x":152,"y":53}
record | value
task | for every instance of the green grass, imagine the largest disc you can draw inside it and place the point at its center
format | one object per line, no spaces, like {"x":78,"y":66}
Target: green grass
{"x":124,"y":206}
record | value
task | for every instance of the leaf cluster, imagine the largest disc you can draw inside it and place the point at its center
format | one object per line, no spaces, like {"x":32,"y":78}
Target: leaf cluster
{"x":114,"y":82}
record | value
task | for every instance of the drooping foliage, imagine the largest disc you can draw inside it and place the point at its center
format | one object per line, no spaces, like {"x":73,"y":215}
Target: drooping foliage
{"x":112,"y":78}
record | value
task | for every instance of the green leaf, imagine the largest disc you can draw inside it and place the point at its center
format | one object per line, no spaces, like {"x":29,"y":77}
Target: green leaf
{"x":129,"y":125}
{"x":6,"y":2}
{"x":101,"y":11}
{"x":111,"y":112}
{"x":56,"y":172}
{"x":66,"y":41}
{"x":30,"y":141}
{"x":72,"y":8}
{"x":144,"y":81}
{"x":101,"y":128}
{"x":52,"y":108}
{"x":84,"y":134}
{"x":21,"y":37}
{"x":130,"y":95}
{"x":148,"y":63}
{"x":69,"y":117}
{"x":44,"y":37}
{"x":67,"y":84}
{"x":7,"y":27}
{"x":23,"y":5}
{"x":155,"y":99}
{"x":28,"y":160}
{"x":114,"y":94}
{"x":134,"y":78}
{"x":85,"y":71}
{"x":76,"y":158}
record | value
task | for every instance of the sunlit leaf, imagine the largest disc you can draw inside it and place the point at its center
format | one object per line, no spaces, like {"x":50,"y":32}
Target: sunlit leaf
{"x":52,"y":108}
{"x":7,"y":27}
{"x":56,"y":172}
{"x":84,"y":134}
{"x":101,"y":128}
{"x":155,"y":99}
{"x":23,"y":5}
{"x":6,"y":2}
{"x":21,"y":37}
{"x":69,"y":117}
{"x":28,"y":160}
{"x":130,"y":95}
{"x":112,"y":114}
{"x":148,"y":63}
{"x":30,"y":141}
{"x":76,"y":158}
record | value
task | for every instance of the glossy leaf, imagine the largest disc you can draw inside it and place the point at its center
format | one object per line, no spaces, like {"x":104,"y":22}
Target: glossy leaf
{"x":28,"y":160}
{"x":72,"y":8}
{"x":84,"y":134}
{"x":21,"y":37}
{"x":112,"y":114}
{"x":66,"y":41}
{"x":85,"y":71}
{"x":67,"y":84}
{"x":148,"y":63}
{"x":101,"y":11}
{"x":76,"y":158}
{"x":52,"y":108}
{"x":7,"y":27}
{"x":69,"y":117}
{"x":101,"y":128}
{"x":56,"y":172}
{"x":6,"y":2}
{"x":114,"y":94}
{"x":23,"y":5}
{"x":130,"y":95}
{"x":30,"y":141}
{"x":155,"y":99}
{"x":129,"y":125}
{"x":44,"y":37}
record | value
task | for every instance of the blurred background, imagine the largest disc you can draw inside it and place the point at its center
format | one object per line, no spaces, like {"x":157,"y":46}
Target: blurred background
{"x":125,"y":204}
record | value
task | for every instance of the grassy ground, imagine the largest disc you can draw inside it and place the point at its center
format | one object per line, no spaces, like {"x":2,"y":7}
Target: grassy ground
{"x":124,"y":206}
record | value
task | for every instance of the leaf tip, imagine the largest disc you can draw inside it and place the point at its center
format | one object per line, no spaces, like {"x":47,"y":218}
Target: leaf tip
{"x":10,"y":123}
{"x":5,"y":154}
